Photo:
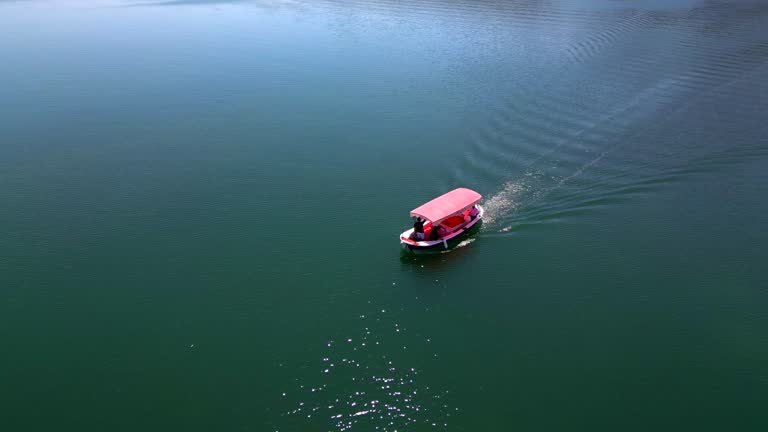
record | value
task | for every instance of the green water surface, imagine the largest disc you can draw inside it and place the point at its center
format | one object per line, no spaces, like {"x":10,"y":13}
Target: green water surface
{"x":201,"y":202}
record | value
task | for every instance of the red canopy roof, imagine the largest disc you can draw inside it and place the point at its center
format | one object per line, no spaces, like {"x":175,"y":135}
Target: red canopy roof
{"x":448,"y":204}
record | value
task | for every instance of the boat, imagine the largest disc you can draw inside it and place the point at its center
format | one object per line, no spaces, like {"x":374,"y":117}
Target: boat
{"x":451,"y":214}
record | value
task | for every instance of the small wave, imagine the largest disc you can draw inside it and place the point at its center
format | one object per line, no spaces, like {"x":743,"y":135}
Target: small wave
{"x":463,"y":243}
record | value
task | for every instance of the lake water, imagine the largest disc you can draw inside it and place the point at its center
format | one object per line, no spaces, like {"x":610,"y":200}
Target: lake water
{"x":201,"y":203}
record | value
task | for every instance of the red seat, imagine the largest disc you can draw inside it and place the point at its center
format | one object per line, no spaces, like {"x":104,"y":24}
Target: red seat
{"x":453,"y":221}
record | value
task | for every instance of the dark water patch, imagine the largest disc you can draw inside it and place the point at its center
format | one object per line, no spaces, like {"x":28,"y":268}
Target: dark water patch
{"x":637,"y":20}
{"x":718,"y":18}
{"x":641,"y":22}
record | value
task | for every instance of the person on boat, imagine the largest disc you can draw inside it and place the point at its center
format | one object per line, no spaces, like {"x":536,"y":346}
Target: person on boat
{"x":418,"y":229}
{"x":474,"y":212}
{"x":418,"y":226}
{"x":435,"y":233}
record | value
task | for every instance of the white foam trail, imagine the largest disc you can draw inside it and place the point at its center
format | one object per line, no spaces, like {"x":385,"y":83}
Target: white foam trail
{"x":504,"y":202}
{"x":464,"y":243}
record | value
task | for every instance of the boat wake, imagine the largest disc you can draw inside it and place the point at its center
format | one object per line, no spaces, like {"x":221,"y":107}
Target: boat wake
{"x":574,"y":154}
{"x":461,"y":244}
